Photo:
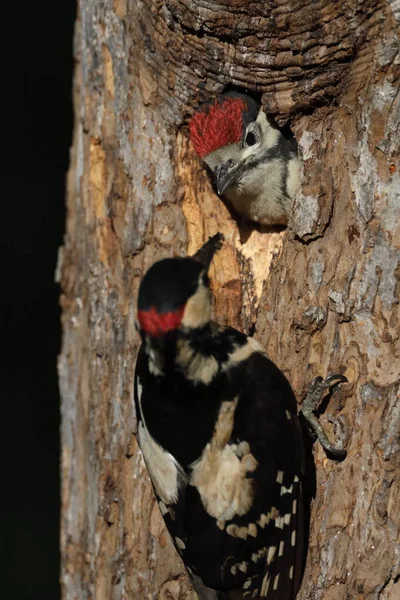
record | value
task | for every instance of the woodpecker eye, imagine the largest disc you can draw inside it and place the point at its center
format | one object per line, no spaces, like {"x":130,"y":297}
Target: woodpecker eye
{"x":251,"y":139}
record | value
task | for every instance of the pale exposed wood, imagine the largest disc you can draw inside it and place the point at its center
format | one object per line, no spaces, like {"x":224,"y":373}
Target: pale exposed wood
{"x":329,"y":302}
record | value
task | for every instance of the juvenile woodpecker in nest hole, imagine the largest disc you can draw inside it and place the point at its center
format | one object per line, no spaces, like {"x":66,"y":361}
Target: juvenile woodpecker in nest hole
{"x":253,"y":164}
{"x":221,"y":440}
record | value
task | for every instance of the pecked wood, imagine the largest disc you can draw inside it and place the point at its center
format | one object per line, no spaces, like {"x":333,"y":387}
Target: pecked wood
{"x":329,"y":302}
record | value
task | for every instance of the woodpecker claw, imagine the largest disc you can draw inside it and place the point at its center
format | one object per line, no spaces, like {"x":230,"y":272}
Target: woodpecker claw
{"x":335,"y":379}
{"x":311,"y":402}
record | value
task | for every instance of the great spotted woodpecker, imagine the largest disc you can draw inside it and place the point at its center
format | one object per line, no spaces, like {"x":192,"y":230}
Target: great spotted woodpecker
{"x":220,"y":436}
{"x":253,"y":164}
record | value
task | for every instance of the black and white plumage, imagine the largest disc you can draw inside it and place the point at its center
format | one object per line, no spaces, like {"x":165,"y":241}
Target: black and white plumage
{"x":219,"y":432}
{"x":254,"y":164}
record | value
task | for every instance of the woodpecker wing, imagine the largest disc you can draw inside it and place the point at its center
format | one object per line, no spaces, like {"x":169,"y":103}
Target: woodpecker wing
{"x":274,"y":435}
{"x":244,"y":512}
{"x":175,"y":421}
{"x":225,"y":459}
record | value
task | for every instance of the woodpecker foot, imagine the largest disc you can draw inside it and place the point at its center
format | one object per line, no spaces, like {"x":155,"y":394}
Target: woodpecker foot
{"x":311,"y":403}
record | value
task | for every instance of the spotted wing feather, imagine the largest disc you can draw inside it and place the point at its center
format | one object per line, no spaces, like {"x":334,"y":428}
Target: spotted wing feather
{"x":274,"y":434}
{"x":257,"y":554}
{"x":255,"y":550}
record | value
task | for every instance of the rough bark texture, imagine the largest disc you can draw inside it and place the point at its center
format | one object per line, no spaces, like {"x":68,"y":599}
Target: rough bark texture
{"x":323,"y":295}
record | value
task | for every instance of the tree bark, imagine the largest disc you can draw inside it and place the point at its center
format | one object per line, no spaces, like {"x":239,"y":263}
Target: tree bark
{"x":322,"y":296}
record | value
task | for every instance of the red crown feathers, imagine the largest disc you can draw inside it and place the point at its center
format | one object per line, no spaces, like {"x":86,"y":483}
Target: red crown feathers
{"x":218,"y":124}
{"x":156,"y":324}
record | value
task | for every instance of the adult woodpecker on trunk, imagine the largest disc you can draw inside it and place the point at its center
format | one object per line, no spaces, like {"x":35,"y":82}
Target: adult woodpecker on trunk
{"x":253,"y":164}
{"x":220,"y":436}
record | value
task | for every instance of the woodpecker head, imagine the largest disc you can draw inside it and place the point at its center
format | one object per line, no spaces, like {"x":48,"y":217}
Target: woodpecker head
{"x":174,"y":295}
{"x":247,"y":155}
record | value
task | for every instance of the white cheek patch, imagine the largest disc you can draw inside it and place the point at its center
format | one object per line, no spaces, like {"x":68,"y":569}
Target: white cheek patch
{"x":197,"y":311}
{"x":270,"y":135}
{"x":197,"y":367}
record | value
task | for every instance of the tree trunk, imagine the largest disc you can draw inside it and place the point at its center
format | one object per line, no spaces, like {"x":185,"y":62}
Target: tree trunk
{"x":322,"y":296}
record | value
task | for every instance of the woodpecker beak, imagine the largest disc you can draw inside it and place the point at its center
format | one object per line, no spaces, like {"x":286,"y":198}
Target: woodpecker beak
{"x":227,"y":174}
{"x":206,"y":253}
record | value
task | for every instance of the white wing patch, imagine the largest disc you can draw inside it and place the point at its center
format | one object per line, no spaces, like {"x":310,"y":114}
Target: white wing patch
{"x":166,"y":474}
{"x":220,"y":474}
{"x":197,"y":368}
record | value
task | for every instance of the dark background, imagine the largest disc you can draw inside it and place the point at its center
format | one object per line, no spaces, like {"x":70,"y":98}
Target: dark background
{"x":36,"y":134}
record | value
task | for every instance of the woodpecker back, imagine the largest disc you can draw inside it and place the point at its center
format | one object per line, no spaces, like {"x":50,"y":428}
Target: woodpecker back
{"x":218,"y":428}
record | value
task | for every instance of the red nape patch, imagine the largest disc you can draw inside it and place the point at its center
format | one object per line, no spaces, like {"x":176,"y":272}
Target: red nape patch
{"x":216,"y":125}
{"x":156,"y":324}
